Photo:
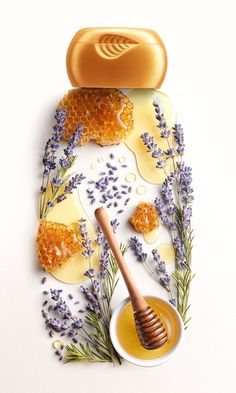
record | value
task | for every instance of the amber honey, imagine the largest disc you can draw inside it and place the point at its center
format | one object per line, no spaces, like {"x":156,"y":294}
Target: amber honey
{"x":145,"y":218}
{"x":56,"y":243}
{"x":106,"y":115}
{"x":127,"y":336}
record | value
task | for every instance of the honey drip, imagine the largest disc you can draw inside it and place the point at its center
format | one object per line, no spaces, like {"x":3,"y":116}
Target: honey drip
{"x":56,"y":243}
{"x":129,"y":340}
{"x":105,"y":114}
{"x":145,"y":218}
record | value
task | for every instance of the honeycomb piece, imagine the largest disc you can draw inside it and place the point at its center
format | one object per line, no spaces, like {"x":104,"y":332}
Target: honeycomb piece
{"x":105,"y":114}
{"x":145,"y":218}
{"x":56,"y":243}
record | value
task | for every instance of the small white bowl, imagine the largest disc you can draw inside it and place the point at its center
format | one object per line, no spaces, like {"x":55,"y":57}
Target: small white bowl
{"x":141,"y":362}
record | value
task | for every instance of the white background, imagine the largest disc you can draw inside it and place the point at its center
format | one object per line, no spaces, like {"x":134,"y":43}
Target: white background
{"x":200,"y":40}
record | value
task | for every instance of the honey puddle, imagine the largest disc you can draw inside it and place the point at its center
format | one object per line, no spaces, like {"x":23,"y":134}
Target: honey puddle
{"x":166,"y":252}
{"x":152,"y":236}
{"x":144,"y":120}
{"x":129,"y":340}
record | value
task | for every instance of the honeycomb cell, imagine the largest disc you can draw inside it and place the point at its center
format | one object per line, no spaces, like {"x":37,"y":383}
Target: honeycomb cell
{"x":145,"y":218}
{"x":56,"y":243}
{"x":105,"y":114}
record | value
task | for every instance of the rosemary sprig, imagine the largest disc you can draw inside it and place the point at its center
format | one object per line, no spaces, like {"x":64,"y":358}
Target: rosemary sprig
{"x":183,"y":273}
{"x":82,"y":352}
{"x":182,"y":282}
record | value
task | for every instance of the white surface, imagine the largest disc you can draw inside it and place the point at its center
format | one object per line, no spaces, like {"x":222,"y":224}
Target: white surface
{"x":199,"y":36}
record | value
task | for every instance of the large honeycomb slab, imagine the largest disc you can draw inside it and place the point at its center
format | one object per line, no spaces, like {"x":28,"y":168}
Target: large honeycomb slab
{"x":105,"y":114}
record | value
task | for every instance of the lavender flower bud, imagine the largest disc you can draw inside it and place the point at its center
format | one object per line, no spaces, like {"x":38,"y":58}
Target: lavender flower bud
{"x":156,"y":255}
{"x":77,"y":324}
{"x":137,"y":247}
{"x":173,"y":302}
{"x":61,"y":198}
{"x":90,"y":273}
{"x":157,"y":153}
{"x":148,"y":141}
{"x":161,"y":164}
{"x":178,"y":134}
{"x":55,"y":294}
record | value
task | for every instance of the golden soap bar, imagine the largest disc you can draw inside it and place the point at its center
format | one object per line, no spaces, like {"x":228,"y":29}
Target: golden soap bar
{"x":116,"y":57}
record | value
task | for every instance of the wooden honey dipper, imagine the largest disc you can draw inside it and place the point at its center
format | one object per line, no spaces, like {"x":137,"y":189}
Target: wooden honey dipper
{"x":150,"y":330}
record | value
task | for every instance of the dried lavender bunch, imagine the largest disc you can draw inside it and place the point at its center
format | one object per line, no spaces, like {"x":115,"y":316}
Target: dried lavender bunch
{"x":96,"y":344}
{"x":60,"y":320}
{"x":57,"y":184}
{"x":175,"y":205}
{"x":160,"y":273}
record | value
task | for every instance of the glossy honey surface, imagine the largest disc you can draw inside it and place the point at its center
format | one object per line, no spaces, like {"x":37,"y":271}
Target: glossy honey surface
{"x":145,"y":218}
{"x":56,"y":243}
{"x":106,"y":115}
{"x":129,"y":340}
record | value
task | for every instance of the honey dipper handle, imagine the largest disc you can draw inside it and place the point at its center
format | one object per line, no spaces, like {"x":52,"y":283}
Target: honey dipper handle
{"x":138,"y":302}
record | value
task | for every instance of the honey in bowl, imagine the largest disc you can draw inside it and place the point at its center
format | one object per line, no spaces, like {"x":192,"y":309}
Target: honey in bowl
{"x":128,"y":338}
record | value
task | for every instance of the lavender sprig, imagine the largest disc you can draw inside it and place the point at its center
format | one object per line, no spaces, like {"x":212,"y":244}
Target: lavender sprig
{"x":56,"y":183}
{"x":137,"y":247}
{"x":98,"y":309}
{"x":69,"y":150}
{"x":86,"y":345}
{"x":164,"y":277}
{"x":86,"y":242}
{"x":162,"y":123}
{"x":104,"y":255}
{"x":59,"y":317}
{"x":151,"y":146}
{"x":52,"y":145}
{"x":64,"y":323}
{"x":91,"y":294}
{"x":148,"y":142}
{"x":178,"y":134}
{"x":161,"y":275}
{"x":174,"y":207}
{"x":49,"y":157}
